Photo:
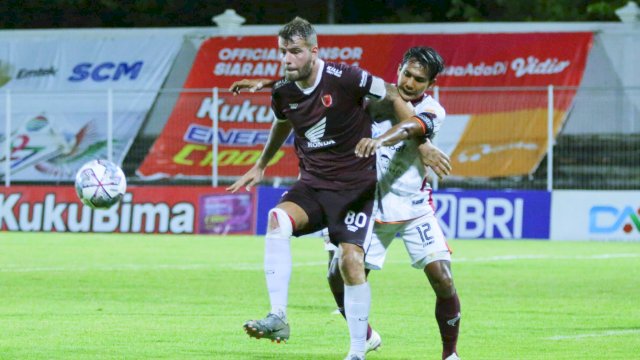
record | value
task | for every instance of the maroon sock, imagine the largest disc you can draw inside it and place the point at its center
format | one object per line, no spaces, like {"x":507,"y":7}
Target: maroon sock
{"x":341,"y":309}
{"x":448,"y":317}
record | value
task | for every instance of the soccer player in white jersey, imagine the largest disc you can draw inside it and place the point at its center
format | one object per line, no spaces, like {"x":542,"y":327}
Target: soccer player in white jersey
{"x":405,"y":203}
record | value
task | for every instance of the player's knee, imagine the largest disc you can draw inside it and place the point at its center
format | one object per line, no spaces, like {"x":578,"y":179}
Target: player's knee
{"x":351,"y":258}
{"x":441,"y":280}
{"x":444,"y":288}
{"x":352,"y":265}
{"x":279,"y":223}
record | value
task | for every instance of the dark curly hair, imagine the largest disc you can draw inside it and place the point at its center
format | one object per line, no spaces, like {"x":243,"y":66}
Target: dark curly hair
{"x":427,"y":57}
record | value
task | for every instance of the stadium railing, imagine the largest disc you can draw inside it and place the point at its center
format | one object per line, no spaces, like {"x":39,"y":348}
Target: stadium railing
{"x":591,"y":136}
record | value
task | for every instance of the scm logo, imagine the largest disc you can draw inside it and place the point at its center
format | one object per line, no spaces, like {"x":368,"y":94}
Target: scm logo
{"x":610,"y":219}
{"x":106,"y":71}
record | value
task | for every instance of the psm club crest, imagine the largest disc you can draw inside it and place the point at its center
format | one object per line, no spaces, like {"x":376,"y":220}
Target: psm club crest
{"x":327,"y":100}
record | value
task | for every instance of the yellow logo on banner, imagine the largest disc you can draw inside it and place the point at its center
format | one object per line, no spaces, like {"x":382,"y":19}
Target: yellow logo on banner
{"x":190,"y":153}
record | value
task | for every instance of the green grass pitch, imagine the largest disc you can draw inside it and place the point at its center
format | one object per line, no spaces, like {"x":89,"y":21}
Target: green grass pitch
{"x":112,"y":296}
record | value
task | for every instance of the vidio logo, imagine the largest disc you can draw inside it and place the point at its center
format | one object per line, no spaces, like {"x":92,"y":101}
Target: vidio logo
{"x":609,"y":219}
{"x":355,"y":221}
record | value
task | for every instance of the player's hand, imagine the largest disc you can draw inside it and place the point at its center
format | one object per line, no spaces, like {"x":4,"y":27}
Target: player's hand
{"x":252,"y":84}
{"x":250,"y":178}
{"x":367,"y":147}
{"x":434,"y":158}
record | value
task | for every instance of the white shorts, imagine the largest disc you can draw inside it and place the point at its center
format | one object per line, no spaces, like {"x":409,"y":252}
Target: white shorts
{"x":328,"y":246}
{"x":423,"y":238}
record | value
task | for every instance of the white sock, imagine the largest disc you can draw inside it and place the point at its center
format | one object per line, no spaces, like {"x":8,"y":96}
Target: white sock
{"x":357,"y":301}
{"x":277,"y":268}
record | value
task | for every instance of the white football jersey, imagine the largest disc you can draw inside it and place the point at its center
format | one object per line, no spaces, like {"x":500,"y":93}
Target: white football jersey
{"x":403,"y":192}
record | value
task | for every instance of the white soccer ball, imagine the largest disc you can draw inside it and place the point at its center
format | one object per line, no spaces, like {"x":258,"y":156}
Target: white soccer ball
{"x":100,"y":184}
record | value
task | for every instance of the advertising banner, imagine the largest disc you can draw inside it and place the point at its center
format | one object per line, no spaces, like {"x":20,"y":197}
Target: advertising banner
{"x":473,"y":214}
{"x":489,"y":134}
{"x":595,"y":215}
{"x":479,"y":214}
{"x":61,"y":92}
{"x":146,"y":209}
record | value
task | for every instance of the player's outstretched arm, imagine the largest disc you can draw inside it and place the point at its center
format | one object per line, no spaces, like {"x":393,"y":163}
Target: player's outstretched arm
{"x":280,"y":130}
{"x":252,"y":85}
{"x":409,"y":127}
{"x":413,"y":127}
{"x":401,"y":108}
{"x":434,"y":158}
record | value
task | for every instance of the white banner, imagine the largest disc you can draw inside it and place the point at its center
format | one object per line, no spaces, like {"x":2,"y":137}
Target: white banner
{"x":595,"y":215}
{"x":59,"y":92}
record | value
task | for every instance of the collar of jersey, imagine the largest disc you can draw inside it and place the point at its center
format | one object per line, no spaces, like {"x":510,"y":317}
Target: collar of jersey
{"x":417,"y":101}
{"x":309,"y":90}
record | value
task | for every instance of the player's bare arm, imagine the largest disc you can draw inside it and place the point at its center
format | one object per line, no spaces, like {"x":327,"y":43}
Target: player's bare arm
{"x":380,"y":110}
{"x":403,"y":130}
{"x":252,"y":85}
{"x":280,"y":130}
{"x":413,"y":127}
{"x":434,"y":158}
{"x":401,"y":108}
{"x":386,"y":107}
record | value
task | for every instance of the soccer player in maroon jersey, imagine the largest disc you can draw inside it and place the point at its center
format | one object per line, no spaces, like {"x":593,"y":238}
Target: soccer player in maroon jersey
{"x":416,"y":73}
{"x":322,"y":103}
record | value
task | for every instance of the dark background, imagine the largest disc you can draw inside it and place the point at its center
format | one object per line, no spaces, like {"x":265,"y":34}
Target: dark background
{"x":38,"y":14}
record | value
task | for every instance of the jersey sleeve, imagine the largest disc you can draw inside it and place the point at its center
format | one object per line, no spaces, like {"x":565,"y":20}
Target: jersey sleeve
{"x":431,"y":114}
{"x":361,"y":83}
{"x":276,"y":108}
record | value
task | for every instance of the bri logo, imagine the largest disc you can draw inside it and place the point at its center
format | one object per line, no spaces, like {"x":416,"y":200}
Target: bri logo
{"x":611,"y":219}
{"x":473,"y":217}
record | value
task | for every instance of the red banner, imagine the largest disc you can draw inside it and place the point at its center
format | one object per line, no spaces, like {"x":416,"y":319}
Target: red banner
{"x":179,"y":210}
{"x":510,"y":124}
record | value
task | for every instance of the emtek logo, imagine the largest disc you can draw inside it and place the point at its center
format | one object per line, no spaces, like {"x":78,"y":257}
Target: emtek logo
{"x":106,"y":71}
{"x":610,"y":219}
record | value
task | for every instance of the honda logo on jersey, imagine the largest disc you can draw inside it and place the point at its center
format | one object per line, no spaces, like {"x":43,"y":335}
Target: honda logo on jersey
{"x":315,"y":134}
{"x":326,"y":100}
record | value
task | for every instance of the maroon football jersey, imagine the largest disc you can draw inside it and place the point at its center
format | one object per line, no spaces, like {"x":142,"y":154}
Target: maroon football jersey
{"x":328,"y":120}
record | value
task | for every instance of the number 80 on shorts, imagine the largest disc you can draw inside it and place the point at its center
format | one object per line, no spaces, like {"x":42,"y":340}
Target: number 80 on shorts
{"x":355,"y":221}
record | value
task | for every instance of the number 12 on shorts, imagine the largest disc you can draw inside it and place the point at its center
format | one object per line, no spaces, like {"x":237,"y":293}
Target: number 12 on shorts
{"x":355,"y":221}
{"x":423,"y":231}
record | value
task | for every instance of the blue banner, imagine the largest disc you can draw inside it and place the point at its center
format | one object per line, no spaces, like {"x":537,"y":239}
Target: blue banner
{"x":268,"y":198}
{"x":466,"y":214}
{"x":486,"y":214}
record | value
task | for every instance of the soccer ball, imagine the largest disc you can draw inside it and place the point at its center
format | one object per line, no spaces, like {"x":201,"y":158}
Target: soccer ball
{"x":100,"y":184}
